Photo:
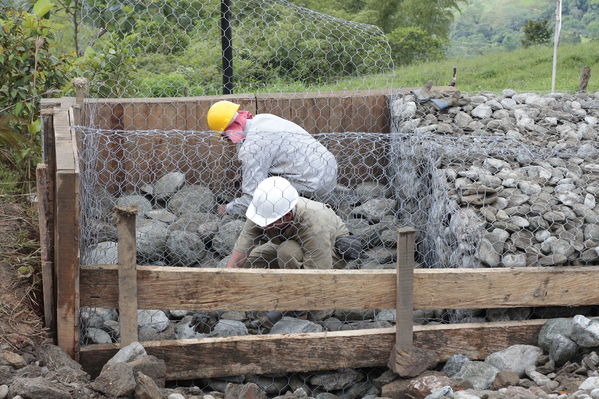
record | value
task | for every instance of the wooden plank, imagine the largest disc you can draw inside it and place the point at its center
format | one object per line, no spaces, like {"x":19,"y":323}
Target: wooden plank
{"x":162,"y":287}
{"x":67,"y":261}
{"x":45,"y":206}
{"x":127,"y":274}
{"x":259,"y":354}
{"x":405,"y":288}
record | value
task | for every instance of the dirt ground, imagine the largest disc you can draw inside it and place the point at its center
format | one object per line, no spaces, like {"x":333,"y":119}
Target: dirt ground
{"x":21,"y":304}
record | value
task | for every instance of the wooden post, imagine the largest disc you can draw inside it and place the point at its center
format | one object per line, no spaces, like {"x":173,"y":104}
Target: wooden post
{"x":406,"y":359}
{"x":80,"y":90}
{"x":584,"y":79}
{"x":454,"y":76}
{"x":127,"y":250}
{"x":45,"y":217}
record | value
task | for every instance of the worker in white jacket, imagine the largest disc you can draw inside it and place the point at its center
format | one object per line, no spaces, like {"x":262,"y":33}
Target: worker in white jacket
{"x":268,"y":145}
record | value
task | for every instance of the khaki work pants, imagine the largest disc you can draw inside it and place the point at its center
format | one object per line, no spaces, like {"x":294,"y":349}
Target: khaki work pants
{"x":287,"y":255}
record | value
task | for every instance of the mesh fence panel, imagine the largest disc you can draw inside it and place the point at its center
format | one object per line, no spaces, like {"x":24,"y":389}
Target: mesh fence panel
{"x":175,"y":48}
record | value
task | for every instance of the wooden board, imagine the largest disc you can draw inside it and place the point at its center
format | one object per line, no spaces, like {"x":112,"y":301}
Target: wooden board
{"x":45,"y":217}
{"x":214,"y":357}
{"x":257,"y":289}
{"x":66,"y":234}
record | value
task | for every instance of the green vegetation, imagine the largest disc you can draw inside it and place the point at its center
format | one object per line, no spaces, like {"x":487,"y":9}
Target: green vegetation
{"x":522,"y":69}
{"x":490,"y":25}
{"x":28,"y":70}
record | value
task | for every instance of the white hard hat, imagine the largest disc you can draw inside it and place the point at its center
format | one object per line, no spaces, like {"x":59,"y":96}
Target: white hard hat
{"x":272,"y":199}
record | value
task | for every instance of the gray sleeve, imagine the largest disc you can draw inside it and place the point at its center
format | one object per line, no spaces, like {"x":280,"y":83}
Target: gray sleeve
{"x":255,"y":165}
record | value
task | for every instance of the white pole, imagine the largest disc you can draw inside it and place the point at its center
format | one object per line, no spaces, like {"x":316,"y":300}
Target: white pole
{"x":558,"y":27}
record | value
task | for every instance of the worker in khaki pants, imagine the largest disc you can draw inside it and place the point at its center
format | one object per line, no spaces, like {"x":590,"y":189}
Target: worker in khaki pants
{"x":300,"y":233}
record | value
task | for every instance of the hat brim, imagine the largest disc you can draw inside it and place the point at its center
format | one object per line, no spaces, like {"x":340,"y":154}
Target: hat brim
{"x":262,"y":221}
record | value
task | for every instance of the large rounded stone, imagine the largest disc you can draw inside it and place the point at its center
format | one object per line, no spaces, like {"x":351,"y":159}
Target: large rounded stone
{"x":192,"y":199}
{"x":185,"y":249}
{"x":151,"y":241}
{"x":224,"y":241}
{"x":168,"y":184}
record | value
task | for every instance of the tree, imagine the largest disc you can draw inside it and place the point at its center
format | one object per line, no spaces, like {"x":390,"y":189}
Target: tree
{"x":413,"y":44}
{"x":537,"y":32}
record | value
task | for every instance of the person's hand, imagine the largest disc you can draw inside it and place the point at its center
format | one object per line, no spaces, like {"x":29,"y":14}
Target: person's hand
{"x":221,"y":210}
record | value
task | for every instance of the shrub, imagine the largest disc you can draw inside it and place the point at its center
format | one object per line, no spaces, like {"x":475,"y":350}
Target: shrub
{"x":412,"y":44}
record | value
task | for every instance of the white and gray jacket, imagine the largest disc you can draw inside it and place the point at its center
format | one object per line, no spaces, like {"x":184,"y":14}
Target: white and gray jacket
{"x":274,"y":146}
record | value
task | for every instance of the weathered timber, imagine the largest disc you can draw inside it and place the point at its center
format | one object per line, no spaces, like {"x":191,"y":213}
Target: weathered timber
{"x":127,"y":274}
{"x":45,"y":216}
{"x":258,"y":354}
{"x":162,"y":287}
{"x":406,"y":359}
{"x":66,"y":235}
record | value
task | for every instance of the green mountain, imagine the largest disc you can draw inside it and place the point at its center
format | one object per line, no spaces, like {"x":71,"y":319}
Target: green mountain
{"x":487,"y":25}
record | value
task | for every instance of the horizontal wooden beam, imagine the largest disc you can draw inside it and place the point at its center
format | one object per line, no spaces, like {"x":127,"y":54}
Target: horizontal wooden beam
{"x":260,"y":354}
{"x":162,"y":287}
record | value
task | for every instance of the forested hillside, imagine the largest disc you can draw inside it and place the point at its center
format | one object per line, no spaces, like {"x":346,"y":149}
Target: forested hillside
{"x":489,"y":25}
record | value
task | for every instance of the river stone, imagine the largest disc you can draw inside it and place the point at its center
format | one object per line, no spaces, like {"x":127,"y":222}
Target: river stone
{"x":479,"y":375}
{"x":191,"y":222}
{"x":375,"y":209}
{"x":185,"y":249}
{"x":585,"y":332}
{"x":185,"y":329}
{"x":513,"y":260}
{"x":161,"y":215}
{"x":290,"y":325}
{"x":224,"y":241}
{"x":591,"y":232}
{"x":562,"y":349}
{"x":105,"y":253}
{"x":488,"y":254}
{"x":482,"y":111}
{"x":142,"y":203}
{"x":36,"y":388}
{"x":96,"y":317}
{"x":151,"y":240}
{"x":168,"y":184}
{"x":191,"y":199}
{"x":369,"y":190}
{"x":515,"y":358}
{"x":155,"y":319}
{"x":454,"y":364}
{"x":97,"y":336}
{"x":333,"y":381}
{"x":228,"y":328}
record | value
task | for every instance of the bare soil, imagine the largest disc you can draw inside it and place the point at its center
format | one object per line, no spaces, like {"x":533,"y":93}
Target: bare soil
{"x":21,"y":305}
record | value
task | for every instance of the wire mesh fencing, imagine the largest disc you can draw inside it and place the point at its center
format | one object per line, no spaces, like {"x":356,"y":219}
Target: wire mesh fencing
{"x":189,"y":48}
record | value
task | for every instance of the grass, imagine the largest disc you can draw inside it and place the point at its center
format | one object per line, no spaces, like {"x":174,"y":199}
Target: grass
{"x":526,"y":69}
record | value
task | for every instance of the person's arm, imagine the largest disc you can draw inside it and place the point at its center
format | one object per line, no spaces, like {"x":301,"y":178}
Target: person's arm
{"x":237,"y":259}
{"x":254,"y":168}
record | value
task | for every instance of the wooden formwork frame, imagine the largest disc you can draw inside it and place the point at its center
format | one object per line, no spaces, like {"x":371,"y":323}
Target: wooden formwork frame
{"x":71,"y":286}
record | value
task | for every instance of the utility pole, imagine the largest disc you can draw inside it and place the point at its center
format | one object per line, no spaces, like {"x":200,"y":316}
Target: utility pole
{"x":558,"y":27}
{"x":226,"y":45}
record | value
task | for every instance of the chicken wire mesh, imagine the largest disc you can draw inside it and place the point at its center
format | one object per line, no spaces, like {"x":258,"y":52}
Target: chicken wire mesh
{"x":173,"y":48}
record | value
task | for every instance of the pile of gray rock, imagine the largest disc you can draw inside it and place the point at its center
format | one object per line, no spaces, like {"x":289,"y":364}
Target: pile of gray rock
{"x":508,"y":180}
{"x":564,"y":365}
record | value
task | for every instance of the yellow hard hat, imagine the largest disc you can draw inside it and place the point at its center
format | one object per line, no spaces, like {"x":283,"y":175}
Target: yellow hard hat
{"x":220,"y":115}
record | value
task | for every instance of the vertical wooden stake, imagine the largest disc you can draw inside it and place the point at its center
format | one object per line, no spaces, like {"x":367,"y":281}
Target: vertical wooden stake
{"x":80,"y":91}
{"x":584,"y":79}
{"x":127,"y":250}
{"x":406,"y":359}
{"x":45,"y":216}
{"x":454,"y":76}
{"x":405,"y":287}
